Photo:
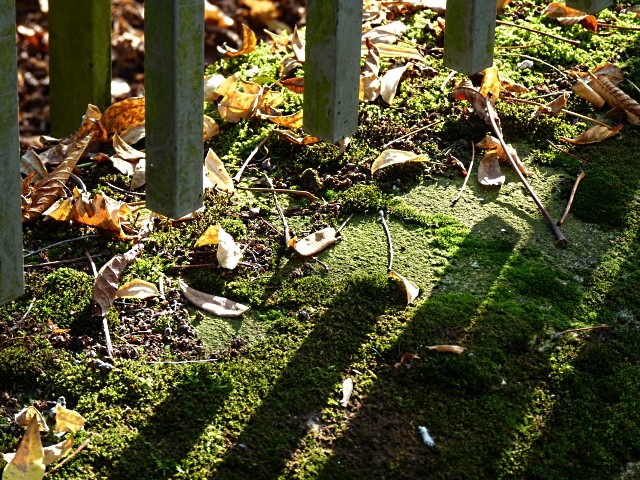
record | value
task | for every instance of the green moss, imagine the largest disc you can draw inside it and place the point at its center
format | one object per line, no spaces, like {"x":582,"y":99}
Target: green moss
{"x":64,"y":297}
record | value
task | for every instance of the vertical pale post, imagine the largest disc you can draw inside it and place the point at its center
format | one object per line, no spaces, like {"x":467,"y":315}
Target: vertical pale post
{"x":79,"y":60}
{"x":469,"y":35}
{"x":174,"y":85}
{"x":589,"y":6}
{"x":11,"y":279}
{"x":332,"y":68}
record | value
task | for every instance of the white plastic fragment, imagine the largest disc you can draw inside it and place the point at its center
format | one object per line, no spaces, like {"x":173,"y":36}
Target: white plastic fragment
{"x":426,"y":438}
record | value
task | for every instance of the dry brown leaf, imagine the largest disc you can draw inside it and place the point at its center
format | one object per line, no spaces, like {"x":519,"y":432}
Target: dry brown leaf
{"x":491,"y":84}
{"x":296,"y":139}
{"x":584,"y":91}
{"x":125,"y":151}
{"x":315,"y":243}
{"x":347,"y":391}
{"x":137,"y":289}
{"x":123,"y":115}
{"x":493,"y":145}
{"x":466,"y":91}
{"x":292,"y":122}
{"x":396,"y":51}
{"x":390,"y":81}
{"x":411,"y":289}
{"x":219,"y":306}
{"x":512,"y":87}
{"x":568,"y":16}
{"x":387,"y":33}
{"x":396,"y":157}
{"x":406,"y":360}
{"x":46,"y":191}
{"x":280,"y":42}
{"x":106,"y":283}
{"x":139,"y":174}
{"x":298,"y":45}
{"x":68,"y":421}
{"x":489,"y":173}
{"x":553,"y":107}
{"x":228,"y":254}
{"x":236,"y":105}
{"x":370,"y":79}
{"x":296,"y":84}
{"x":447,"y":349}
{"x":612,"y":72}
{"x":101,"y":212}
{"x":213,"y":15}
{"x":249,"y":42}
{"x":595,"y":134}
{"x":614,"y":96}
{"x":501,"y":4}
{"x":215,"y":174}
{"x":30,"y":162}
{"x":90,"y":124}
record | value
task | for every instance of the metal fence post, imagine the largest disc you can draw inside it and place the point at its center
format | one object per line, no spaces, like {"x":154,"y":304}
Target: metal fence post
{"x":174,"y":84}
{"x":11,"y":264}
{"x":589,"y":6}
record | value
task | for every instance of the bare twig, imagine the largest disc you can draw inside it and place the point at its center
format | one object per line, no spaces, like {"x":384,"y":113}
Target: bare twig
{"x":280,"y":212}
{"x":582,"y":329}
{"x":410,"y":134}
{"x":105,"y":324}
{"x":389,"y":244}
{"x":534,"y":59}
{"x":326,"y":267}
{"x":141,"y":194}
{"x":566,"y":112}
{"x":443,"y":86}
{"x":619,"y":27}
{"x":33,"y":300}
{"x":59,"y":262}
{"x":633,"y":85}
{"x":561,"y":241}
{"x":181,"y":362}
{"x":550,"y":35}
{"x":61,"y":242}
{"x":253,"y":153}
{"x":466,"y":179}
{"x":517,"y":47}
{"x":73,"y":454}
{"x":579,"y":178}
{"x":302,"y":193}
{"x":569,"y":154}
{"x":344,"y":224}
{"x":91,"y":263}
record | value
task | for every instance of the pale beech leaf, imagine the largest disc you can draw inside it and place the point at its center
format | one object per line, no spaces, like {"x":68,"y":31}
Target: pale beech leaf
{"x":125,"y":151}
{"x":28,"y":461}
{"x":68,"y":421}
{"x":489,"y":173}
{"x":137,"y":288}
{"x":219,"y":306}
{"x":316,"y":242}
{"x":396,"y":157}
{"x":55,"y":452}
{"x":216,"y":175}
{"x":410,"y":288}
{"x":390,"y":81}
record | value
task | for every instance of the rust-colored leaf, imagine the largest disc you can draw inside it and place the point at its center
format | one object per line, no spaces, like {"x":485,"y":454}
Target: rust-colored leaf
{"x":101,"y":212}
{"x":491,"y":83}
{"x":595,"y":134}
{"x":296,"y":139}
{"x":466,"y":91}
{"x":249,"y":42}
{"x":568,"y":16}
{"x":501,"y":4}
{"x":123,"y":115}
{"x":106,"y":283}
{"x":46,"y":191}
{"x":613,"y":95}
{"x":296,"y":84}
{"x":612,"y":72}
{"x":406,"y":360}
{"x":553,"y":107}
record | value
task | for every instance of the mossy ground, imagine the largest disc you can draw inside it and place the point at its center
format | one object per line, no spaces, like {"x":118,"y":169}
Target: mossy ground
{"x":520,"y":402}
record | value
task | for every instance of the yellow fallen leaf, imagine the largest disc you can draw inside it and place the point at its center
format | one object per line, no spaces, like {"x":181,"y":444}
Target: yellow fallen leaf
{"x":249,"y":42}
{"x":211,"y":128}
{"x":228,"y":254}
{"x":28,"y":461}
{"x":55,"y":452}
{"x":68,"y":421}
{"x":123,"y":115}
{"x":410,"y":288}
{"x":220,"y":306}
{"x":396,"y":157}
{"x":316,"y":242}
{"x":137,"y":289}
{"x":215,"y":174}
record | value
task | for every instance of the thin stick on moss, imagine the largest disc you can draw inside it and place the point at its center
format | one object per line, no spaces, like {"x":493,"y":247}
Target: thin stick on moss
{"x":466,"y":179}
{"x":579,"y":178}
{"x":344,"y":224}
{"x":565,"y":111}
{"x":546,"y":34}
{"x":302,"y":193}
{"x":569,"y":154}
{"x":619,"y":27}
{"x":582,"y":329}
{"x":61,"y":242}
{"x":73,"y":454}
{"x":561,"y":241}
{"x":283,"y":219}
{"x":388,"y":235}
{"x":410,"y":134}
{"x":58,"y":262}
{"x":253,"y":153}
{"x":534,"y":59}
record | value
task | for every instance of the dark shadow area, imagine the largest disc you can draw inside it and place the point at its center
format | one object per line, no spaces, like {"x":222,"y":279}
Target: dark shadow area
{"x":295,"y":401}
{"x":174,"y":426}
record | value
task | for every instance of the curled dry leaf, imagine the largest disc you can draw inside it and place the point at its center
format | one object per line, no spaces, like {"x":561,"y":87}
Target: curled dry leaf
{"x":292,"y":122}
{"x":389,"y":82}
{"x":410,"y":288}
{"x":595,"y":134}
{"x":296,"y":139}
{"x":489,"y":173}
{"x":466,"y":91}
{"x":396,"y":157}
{"x":296,"y":84}
{"x":238,"y":105}
{"x":215,"y":174}
{"x":123,"y":115}
{"x":249,"y":42}
{"x":314,"y":243}
{"x":395,"y":51}
{"x":106,"y":283}
{"x":100,"y":212}
{"x":406,"y":360}
{"x":28,"y":461}
{"x":219,"y":306}
{"x":347,"y":390}
{"x":211,"y":128}
{"x":568,"y":16}
{"x":610,"y":71}
{"x":457,"y":349}
{"x":388,"y":33}
{"x":370,"y":77}
{"x":554,"y":107}
{"x":125,"y":151}
{"x":41,"y":195}
{"x":584,"y":91}
{"x":31,"y":162}
{"x":137,"y":289}
{"x":211,"y":84}
{"x":68,"y":421}
{"x":228,"y":254}
{"x":493,"y":145}
{"x":614,"y":96}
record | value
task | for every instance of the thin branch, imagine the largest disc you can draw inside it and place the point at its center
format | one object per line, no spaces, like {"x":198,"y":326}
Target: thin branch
{"x":344,"y":224}
{"x":569,"y":154}
{"x":302,"y":193}
{"x":181,"y":362}
{"x":579,"y":178}
{"x":253,"y":153}
{"x":91,"y":263}
{"x":129,"y":192}
{"x":466,"y":179}
{"x":280,"y":212}
{"x":410,"y":134}
{"x":389,"y":244}
{"x":105,"y":324}
{"x":619,"y":27}
{"x":443,"y":86}
{"x":550,"y":35}
{"x":534,"y":59}
{"x":561,"y":241}
{"x":582,"y":329}
{"x":517,"y":47}
{"x":62,"y":242}
{"x":59,"y":262}
{"x":566,"y":112}
{"x":73,"y":454}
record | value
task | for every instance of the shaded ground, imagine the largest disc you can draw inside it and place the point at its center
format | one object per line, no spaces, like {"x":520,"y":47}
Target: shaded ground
{"x":526,"y":399}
